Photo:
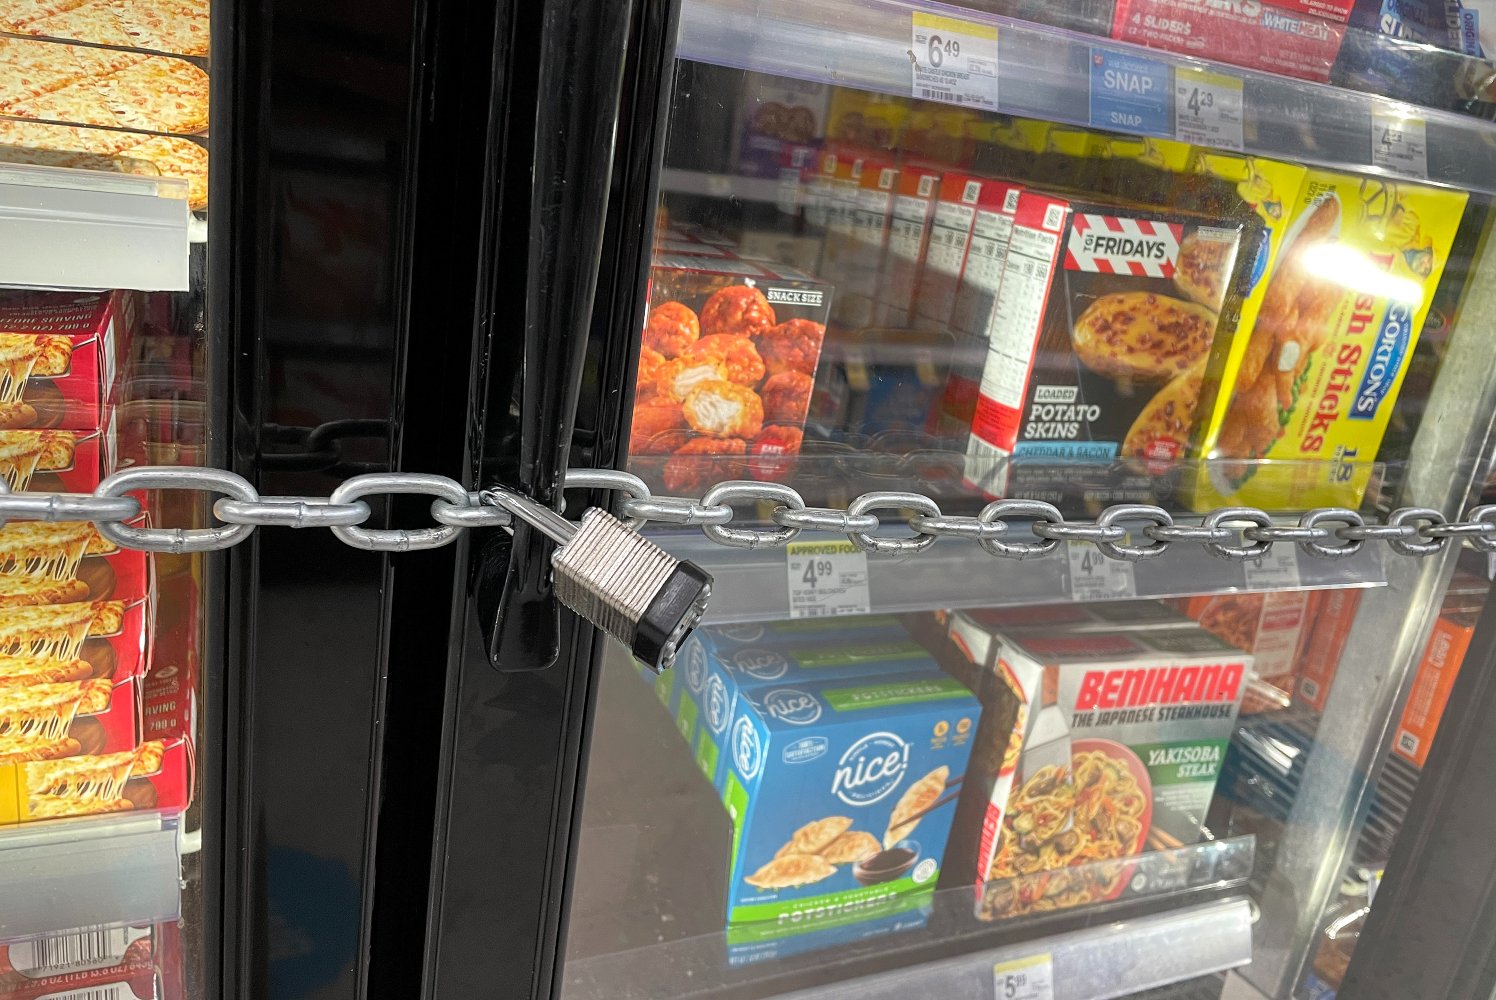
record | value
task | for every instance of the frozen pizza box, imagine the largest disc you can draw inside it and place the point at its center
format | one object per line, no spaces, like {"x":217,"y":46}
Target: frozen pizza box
{"x":108,"y":962}
{"x":59,"y":356}
{"x":1123,"y":736}
{"x":1264,"y":36}
{"x":717,"y":667}
{"x":843,"y":791}
{"x":1105,"y":321}
{"x":728,"y":362}
{"x":1305,"y":400}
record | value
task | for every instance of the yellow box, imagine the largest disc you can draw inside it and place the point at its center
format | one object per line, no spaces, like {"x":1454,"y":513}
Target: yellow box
{"x":1307,"y":393}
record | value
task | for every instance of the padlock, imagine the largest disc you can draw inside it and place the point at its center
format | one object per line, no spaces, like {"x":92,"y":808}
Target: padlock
{"x":619,"y":580}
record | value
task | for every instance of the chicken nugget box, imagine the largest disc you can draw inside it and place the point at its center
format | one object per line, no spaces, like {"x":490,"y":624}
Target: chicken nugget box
{"x":1266,"y":36}
{"x":717,"y":664}
{"x":1122,"y":732}
{"x":1304,"y":403}
{"x":1104,"y":323}
{"x":841,"y":791}
{"x":728,"y":362}
{"x":59,"y":355}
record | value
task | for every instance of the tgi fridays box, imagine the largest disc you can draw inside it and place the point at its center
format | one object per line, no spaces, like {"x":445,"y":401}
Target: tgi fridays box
{"x":1105,"y":320}
{"x":1255,"y":35}
{"x":725,"y":373}
{"x":1313,"y":388}
{"x":909,"y":226}
{"x":718,"y":664}
{"x":840,"y":791}
{"x":59,"y":356}
{"x":1123,"y":738}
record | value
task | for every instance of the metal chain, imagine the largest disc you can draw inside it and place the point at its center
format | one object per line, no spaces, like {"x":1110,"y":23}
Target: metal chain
{"x":1010,"y":529}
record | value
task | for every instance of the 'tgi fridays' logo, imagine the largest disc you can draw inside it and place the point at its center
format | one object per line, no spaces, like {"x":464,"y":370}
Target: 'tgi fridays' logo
{"x":1110,"y":245}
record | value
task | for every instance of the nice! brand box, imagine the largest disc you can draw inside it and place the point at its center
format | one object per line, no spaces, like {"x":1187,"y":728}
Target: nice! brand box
{"x":717,"y":664}
{"x":842,"y":791}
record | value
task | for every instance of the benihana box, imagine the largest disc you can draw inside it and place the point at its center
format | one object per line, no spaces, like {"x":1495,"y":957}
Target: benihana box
{"x":1128,"y":729}
{"x":842,"y":792}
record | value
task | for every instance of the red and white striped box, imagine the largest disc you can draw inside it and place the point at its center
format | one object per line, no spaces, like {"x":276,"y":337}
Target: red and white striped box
{"x":1097,"y":345}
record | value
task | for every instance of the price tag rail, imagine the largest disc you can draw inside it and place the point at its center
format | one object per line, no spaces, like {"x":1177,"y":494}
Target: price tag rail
{"x":1048,"y":73}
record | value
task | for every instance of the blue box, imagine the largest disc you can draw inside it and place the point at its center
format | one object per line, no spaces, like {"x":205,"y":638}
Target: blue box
{"x":716,"y":663}
{"x":842,"y":791}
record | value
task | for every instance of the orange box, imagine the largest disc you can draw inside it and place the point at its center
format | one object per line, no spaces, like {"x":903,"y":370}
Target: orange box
{"x":1437,"y":670}
{"x":1273,"y":627}
{"x":1333,"y":612}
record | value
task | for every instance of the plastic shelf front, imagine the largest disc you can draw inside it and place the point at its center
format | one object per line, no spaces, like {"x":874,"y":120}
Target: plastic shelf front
{"x":64,"y":874}
{"x":754,"y":585}
{"x":1046,"y":73}
{"x":85,"y":229}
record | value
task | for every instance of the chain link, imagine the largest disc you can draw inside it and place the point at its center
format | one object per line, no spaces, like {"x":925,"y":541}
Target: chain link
{"x":1009,"y":529}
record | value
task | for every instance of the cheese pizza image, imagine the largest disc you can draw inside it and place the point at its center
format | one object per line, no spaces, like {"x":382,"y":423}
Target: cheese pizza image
{"x":79,"y":85}
{"x":110,"y":151}
{"x":179,"y":27}
{"x":90,"y":783}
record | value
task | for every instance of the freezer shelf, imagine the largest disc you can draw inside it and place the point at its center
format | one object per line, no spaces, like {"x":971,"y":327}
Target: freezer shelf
{"x":87,"y":873}
{"x":87,"y":229}
{"x":1094,"y":964}
{"x":755,"y":585}
{"x":1047,"y":73}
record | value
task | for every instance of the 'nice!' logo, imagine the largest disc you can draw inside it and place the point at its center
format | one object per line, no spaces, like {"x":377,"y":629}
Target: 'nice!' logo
{"x":870,"y":769}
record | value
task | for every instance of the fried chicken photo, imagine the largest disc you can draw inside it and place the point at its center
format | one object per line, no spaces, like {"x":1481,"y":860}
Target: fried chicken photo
{"x":658,"y":429}
{"x":793,"y":345}
{"x":678,"y":377}
{"x":672,"y":327}
{"x":703,"y":461}
{"x":786,"y":397}
{"x":724,"y":409}
{"x":737,"y":309}
{"x":738,"y":356}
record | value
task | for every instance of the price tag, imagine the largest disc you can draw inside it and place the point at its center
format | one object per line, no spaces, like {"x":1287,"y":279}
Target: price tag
{"x":1207,"y":108}
{"x":1029,"y":978}
{"x":954,"y":61}
{"x":826,"y":578}
{"x":1094,"y":577}
{"x":1129,"y":93}
{"x":1399,"y":143}
{"x":1278,"y":570}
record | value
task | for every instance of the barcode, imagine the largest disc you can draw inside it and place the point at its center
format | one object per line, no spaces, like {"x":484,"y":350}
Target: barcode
{"x":1309,"y":687}
{"x":1407,"y":742}
{"x":60,"y":952}
{"x":115,"y":991}
{"x":936,"y":94}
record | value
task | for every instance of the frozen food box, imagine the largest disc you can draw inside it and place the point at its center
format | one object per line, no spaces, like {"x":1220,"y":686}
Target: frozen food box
{"x":1333,"y":613}
{"x":59,"y":356}
{"x":842,"y":791}
{"x":62,"y":562}
{"x":1255,"y":35}
{"x":781,"y":118}
{"x":854,"y":255}
{"x":1103,"y":326}
{"x":49,"y":720}
{"x":916,"y":194}
{"x":728,"y":362}
{"x":1272,"y":627}
{"x":946,"y":249}
{"x":1124,"y":734}
{"x":1437,"y":669}
{"x":717,"y":668}
{"x":1304,"y":403}
{"x":51,"y":460}
{"x":805,"y":931}
{"x":117,"y":962}
{"x":74,"y":641}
